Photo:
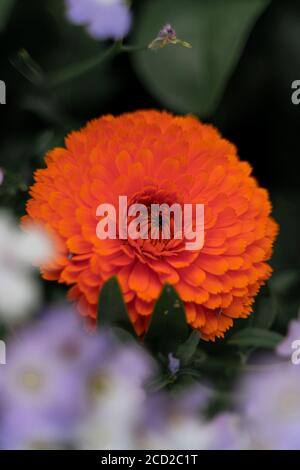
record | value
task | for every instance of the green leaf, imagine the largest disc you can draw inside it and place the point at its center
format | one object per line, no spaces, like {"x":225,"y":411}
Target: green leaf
{"x":191,"y":372}
{"x":286,"y":284}
{"x":160,"y":382}
{"x":6,"y":7}
{"x":111,"y":308}
{"x":193,"y":80}
{"x":264,"y":314}
{"x":27,"y":66}
{"x":168,"y":327}
{"x":255,"y":337}
{"x":186,"y":351}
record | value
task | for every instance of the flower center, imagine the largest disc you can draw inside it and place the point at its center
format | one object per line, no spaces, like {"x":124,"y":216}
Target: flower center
{"x":31,"y":380}
{"x":158,"y":228}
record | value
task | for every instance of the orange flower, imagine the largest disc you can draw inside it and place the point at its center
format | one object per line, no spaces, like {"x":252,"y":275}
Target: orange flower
{"x":151,"y":157}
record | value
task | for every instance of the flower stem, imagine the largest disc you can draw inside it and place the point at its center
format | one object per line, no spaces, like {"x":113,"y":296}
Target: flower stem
{"x":130,"y":48}
{"x":78,"y":69}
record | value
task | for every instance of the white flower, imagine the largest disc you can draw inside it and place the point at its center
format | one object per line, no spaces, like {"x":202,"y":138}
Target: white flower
{"x":113,"y":418}
{"x":19,"y":251}
{"x":225,"y":432}
{"x":270,"y":402}
{"x":19,"y":294}
{"x":180,"y":434}
{"x":287,"y":346}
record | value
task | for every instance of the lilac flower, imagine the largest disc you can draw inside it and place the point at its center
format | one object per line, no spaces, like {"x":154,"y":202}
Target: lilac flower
{"x":228,"y":432}
{"x":43,"y":380}
{"x":66,"y":341}
{"x":35,"y":379}
{"x":71,"y":386}
{"x":104,"y":18}
{"x":270,"y":403}
{"x":186,"y":430}
{"x":26,"y":431}
{"x":174,"y":421}
{"x":118,"y":397}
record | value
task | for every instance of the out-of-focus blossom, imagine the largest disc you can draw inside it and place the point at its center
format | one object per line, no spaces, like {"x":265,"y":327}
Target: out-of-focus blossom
{"x":126,"y":417}
{"x":104,"y":19}
{"x":228,"y":432}
{"x":27,"y":431}
{"x":184,"y":433}
{"x":114,"y":417}
{"x":177,"y":422}
{"x":19,"y":250}
{"x":162,"y":408}
{"x":1,"y":176}
{"x":43,"y":382}
{"x":75,"y":388}
{"x":270,"y":403}
{"x":40,"y":376}
{"x":285,"y":348}
{"x":118,"y":397}
{"x":63,"y":337}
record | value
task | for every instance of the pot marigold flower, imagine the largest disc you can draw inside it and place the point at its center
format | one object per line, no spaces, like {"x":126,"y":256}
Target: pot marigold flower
{"x":154,"y":157}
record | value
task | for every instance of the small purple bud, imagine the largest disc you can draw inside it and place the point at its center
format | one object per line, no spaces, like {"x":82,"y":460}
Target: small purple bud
{"x":174,"y":364}
{"x":167,"y":31}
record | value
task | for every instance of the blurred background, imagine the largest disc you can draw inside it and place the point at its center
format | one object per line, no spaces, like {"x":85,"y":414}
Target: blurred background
{"x":238,"y":76}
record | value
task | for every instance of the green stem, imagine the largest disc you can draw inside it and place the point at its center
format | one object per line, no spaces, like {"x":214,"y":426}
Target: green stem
{"x":78,"y":69}
{"x":216,"y":363}
{"x":129,"y":48}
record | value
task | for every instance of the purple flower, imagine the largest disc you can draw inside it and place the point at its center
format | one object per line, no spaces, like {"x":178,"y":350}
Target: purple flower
{"x":117,"y":399}
{"x":1,"y":176}
{"x":41,"y":376}
{"x":26,"y":431}
{"x":104,"y":18}
{"x":31,"y":381}
{"x":162,"y":407}
{"x":270,"y":404}
{"x":167,"y":31}
{"x":58,"y":375}
{"x":67,"y":342}
{"x":125,"y":364}
{"x":228,"y":432}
